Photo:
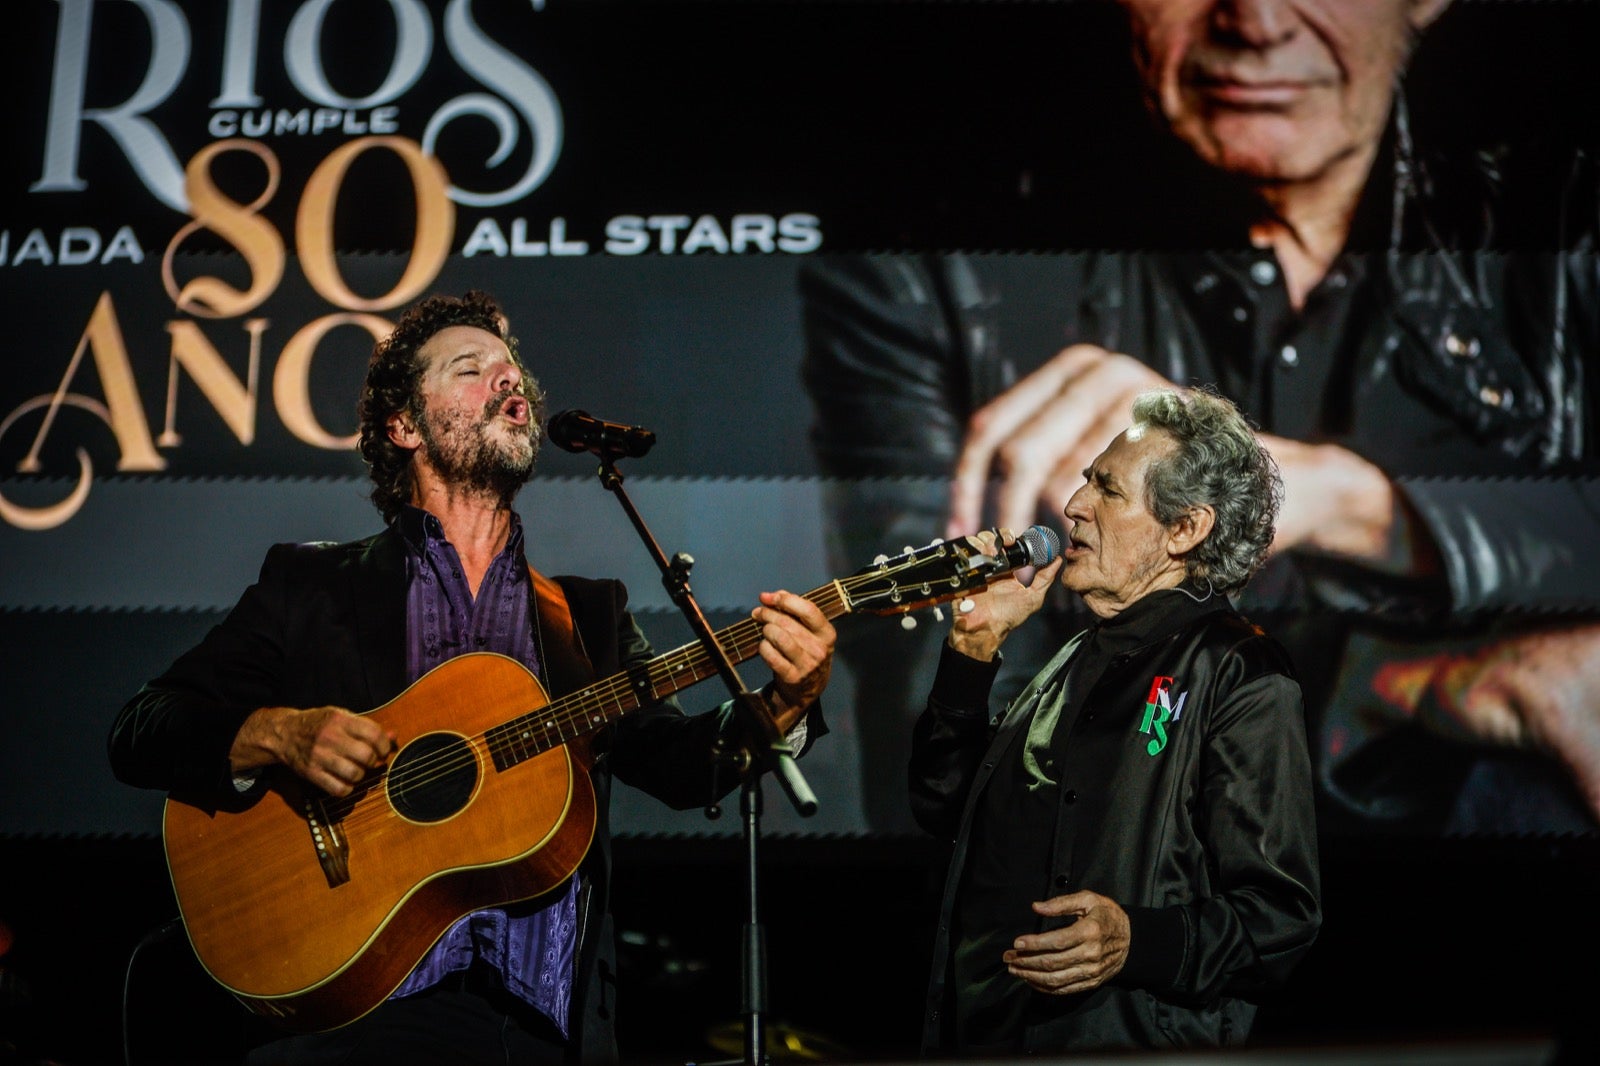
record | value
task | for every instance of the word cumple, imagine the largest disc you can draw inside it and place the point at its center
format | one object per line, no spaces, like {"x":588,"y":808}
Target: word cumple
{"x":302,"y":122}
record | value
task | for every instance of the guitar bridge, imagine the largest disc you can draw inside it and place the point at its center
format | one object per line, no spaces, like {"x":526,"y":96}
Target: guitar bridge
{"x":333,"y":849}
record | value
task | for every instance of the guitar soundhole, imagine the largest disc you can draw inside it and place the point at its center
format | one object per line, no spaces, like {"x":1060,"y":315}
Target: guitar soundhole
{"x":432,"y":777}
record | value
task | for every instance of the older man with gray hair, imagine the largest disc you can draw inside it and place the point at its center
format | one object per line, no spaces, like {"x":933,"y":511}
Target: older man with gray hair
{"x":1135,"y":856}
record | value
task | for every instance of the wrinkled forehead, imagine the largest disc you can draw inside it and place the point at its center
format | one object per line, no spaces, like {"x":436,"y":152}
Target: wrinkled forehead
{"x":1144,"y":440}
{"x":454,"y":342}
{"x":1136,"y":449}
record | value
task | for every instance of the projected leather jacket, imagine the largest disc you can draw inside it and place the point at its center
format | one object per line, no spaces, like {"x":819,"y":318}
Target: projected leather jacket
{"x":1450,"y":345}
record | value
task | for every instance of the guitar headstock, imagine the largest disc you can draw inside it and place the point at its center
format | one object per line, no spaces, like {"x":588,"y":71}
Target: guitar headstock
{"x":921,"y":577}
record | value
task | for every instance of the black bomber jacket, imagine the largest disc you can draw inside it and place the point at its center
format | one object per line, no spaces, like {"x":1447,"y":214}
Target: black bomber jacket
{"x":1207,"y":839}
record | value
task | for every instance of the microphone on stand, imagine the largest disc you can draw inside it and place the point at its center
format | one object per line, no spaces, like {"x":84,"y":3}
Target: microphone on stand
{"x":579,"y":431}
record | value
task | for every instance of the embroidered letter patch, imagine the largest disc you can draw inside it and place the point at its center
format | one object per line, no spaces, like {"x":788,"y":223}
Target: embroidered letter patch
{"x":1158,"y":711}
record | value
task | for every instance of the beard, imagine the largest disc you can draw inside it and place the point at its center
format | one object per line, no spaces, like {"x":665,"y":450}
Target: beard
{"x":471,"y":455}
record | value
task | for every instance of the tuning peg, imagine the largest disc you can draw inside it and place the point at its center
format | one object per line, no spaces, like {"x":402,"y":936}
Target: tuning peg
{"x":938,"y":614}
{"x":879,"y":559}
{"x":966,"y":605}
{"x":907,"y":622}
{"x":908,"y":549}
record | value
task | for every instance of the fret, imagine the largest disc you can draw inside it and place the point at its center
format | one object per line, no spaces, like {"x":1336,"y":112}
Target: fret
{"x":584,"y":712}
{"x":618,"y":696}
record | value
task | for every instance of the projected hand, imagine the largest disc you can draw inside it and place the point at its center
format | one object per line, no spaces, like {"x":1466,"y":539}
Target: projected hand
{"x":1538,"y":691}
{"x":1034,"y":441}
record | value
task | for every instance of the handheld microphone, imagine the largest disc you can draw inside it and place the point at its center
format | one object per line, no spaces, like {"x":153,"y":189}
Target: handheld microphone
{"x":1037,"y":546}
{"x":579,"y":431}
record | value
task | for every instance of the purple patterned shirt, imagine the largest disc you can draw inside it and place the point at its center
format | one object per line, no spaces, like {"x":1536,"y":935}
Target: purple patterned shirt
{"x":531,"y":949}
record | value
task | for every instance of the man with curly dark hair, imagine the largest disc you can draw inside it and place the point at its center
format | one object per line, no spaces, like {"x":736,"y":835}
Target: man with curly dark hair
{"x":449,"y":427}
{"x":391,"y":388}
{"x":1135,"y":840}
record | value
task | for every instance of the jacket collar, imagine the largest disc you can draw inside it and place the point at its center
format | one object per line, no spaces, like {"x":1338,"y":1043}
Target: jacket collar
{"x":1156,"y":616}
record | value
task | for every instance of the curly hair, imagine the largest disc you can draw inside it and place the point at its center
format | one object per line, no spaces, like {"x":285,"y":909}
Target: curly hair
{"x":394,"y":374}
{"x":1217,"y":462}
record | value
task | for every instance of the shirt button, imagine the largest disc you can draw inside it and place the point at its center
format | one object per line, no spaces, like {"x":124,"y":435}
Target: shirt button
{"x":1288,"y":356}
{"x":1240,"y":314}
{"x":1263,"y":272}
{"x":482,"y":641}
{"x":1069,"y":796}
{"x":1062,"y":881}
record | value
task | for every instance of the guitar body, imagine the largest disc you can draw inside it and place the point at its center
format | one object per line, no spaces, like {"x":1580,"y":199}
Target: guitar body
{"x":312,"y":910}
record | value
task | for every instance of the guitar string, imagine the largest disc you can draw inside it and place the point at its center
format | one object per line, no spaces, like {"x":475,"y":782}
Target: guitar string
{"x":350,"y":810}
{"x":429,"y":769}
{"x":577,"y":709}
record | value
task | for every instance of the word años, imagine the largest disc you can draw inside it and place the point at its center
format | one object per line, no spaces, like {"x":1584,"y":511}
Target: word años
{"x":75,"y":246}
{"x":795,"y":234}
{"x":107,"y":354}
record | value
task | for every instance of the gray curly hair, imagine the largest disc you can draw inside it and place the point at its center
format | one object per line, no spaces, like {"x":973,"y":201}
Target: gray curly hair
{"x":1217,"y":462}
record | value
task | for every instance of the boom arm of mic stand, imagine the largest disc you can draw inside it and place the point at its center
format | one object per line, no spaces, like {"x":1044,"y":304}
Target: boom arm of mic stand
{"x":768,"y":748}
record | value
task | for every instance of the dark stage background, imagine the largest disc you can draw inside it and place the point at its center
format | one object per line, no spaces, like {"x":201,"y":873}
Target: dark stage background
{"x":667,"y":170}
{"x":1433,"y":953}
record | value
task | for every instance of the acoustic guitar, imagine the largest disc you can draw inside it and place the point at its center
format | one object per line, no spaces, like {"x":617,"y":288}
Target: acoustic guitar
{"x":312,"y":909}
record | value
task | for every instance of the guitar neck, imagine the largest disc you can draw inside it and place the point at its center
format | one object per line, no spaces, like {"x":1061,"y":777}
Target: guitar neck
{"x":583,"y":712}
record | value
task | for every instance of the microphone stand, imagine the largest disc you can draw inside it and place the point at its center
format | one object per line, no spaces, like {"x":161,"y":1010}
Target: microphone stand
{"x":767,"y":752}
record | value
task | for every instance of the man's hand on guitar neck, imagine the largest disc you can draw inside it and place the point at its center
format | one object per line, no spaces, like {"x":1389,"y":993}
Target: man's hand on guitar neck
{"x":797,"y":643}
{"x":328,"y":746}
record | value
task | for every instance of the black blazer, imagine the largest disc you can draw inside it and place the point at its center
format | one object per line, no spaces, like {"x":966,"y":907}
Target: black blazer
{"x":325,"y":624}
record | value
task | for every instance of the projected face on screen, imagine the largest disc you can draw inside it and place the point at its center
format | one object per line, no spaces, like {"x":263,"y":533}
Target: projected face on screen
{"x":1275,"y":90}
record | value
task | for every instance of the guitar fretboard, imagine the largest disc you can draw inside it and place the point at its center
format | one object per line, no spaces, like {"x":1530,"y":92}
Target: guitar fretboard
{"x":587,"y":710}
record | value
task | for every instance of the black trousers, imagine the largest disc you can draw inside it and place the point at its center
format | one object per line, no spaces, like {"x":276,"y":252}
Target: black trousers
{"x":466,"y":1021}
